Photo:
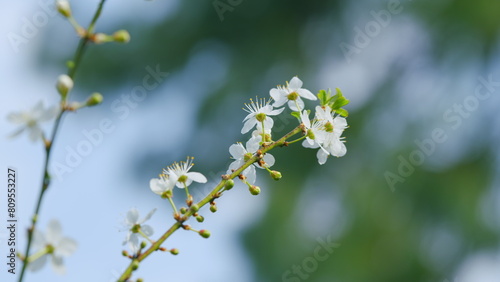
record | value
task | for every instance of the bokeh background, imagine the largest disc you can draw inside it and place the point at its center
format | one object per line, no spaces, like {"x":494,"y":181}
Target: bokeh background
{"x":415,"y":70}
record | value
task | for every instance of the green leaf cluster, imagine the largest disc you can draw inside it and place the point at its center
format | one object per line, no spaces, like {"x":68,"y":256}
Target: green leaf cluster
{"x":335,"y":102}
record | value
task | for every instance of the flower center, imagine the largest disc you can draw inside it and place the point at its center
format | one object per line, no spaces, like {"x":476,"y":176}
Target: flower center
{"x":310,"y":134}
{"x":292,"y":96}
{"x":135,"y":228}
{"x":182,"y":178}
{"x":328,"y":127}
{"x":50,"y":249}
{"x":260,"y":117}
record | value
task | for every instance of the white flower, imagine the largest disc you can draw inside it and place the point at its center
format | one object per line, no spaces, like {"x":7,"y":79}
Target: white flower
{"x":241,"y":155}
{"x":292,"y":94}
{"x":258,"y":114}
{"x":31,"y":119}
{"x":161,"y":185}
{"x":180,"y":175}
{"x":64,"y":82}
{"x":134,"y":226}
{"x":55,"y":245}
{"x":315,"y":134}
{"x":327,"y":131}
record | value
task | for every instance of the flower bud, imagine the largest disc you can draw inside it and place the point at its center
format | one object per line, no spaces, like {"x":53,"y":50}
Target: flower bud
{"x":204,"y":233}
{"x":124,"y":253}
{"x":254,"y":190}
{"x":135,"y":265}
{"x":143,"y":244}
{"x":94,"y":99}
{"x":64,"y":85}
{"x":213,"y":208}
{"x":183,"y":210}
{"x":121,"y":36}
{"x":194,"y":208}
{"x":276,"y":175}
{"x":200,"y":218}
{"x":140,"y":280}
{"x":229,"y":184}
{"x":174,"y":251}
{"x":63,"y":8}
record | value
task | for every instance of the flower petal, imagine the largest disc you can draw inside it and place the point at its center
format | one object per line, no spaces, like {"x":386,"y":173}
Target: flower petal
{"x":155,"y":186}
{"x":38,"y":263}
{"x":293,"y":105}
{"x":268,"y":123}
{"x":322,"y":156}
{"x":269,"y":159}
{"x":132,"y":217}
{"x":148,"y":216}
{"x":57,"y":265}
{"x":237,"y":151}
{"x":276,"y":111}
{"x":249,"y":124}
{"x":253,"y":144}
{"x":295,"y":84}
{"x":250,"y":174}
{"x":148,"y":230}
{"x":66,"y":247}
{"x":54,"y":232}
{"x":304,"y":93}
{"x":275,"y":93}
{"x":197,"y":177}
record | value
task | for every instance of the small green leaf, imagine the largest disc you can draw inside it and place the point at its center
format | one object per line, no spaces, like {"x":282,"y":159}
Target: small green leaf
{"x":342,"y":112}
{"x":296,"y":114}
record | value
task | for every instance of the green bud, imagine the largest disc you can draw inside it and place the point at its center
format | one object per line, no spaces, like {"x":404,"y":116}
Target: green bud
{"x":121,"y":36}
{"x":124,"y":253}
{"x":64,"y":85}
{"x":276,"y":175}
{"x":194,"y":208}
{"x":63,"y":8}
{"x":140,"y":280}
{"x":174,"y":251}
{"x":229,"y":184}
{"x":213,"y":208}
{"x":94,"y":99}
{"x":135,"y":265}
{"x":254,"y":190}
{"x":204,"y":233}
{"x":200,"y":218}
{"x":143,"y":244}
{"x":183,"y":210}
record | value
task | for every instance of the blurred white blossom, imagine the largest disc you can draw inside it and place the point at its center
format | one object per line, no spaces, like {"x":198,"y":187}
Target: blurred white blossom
{"x":29,"y":120}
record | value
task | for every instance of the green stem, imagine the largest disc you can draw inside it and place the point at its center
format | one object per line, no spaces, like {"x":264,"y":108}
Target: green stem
{"x":172,"y":204}
{"x":210,"y":197}
{"x":38,"y":254}
{"x":298,"y":139}
{"x":48,"y":145}
{"x":187,"y":191}
{"x":145,"y":236}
